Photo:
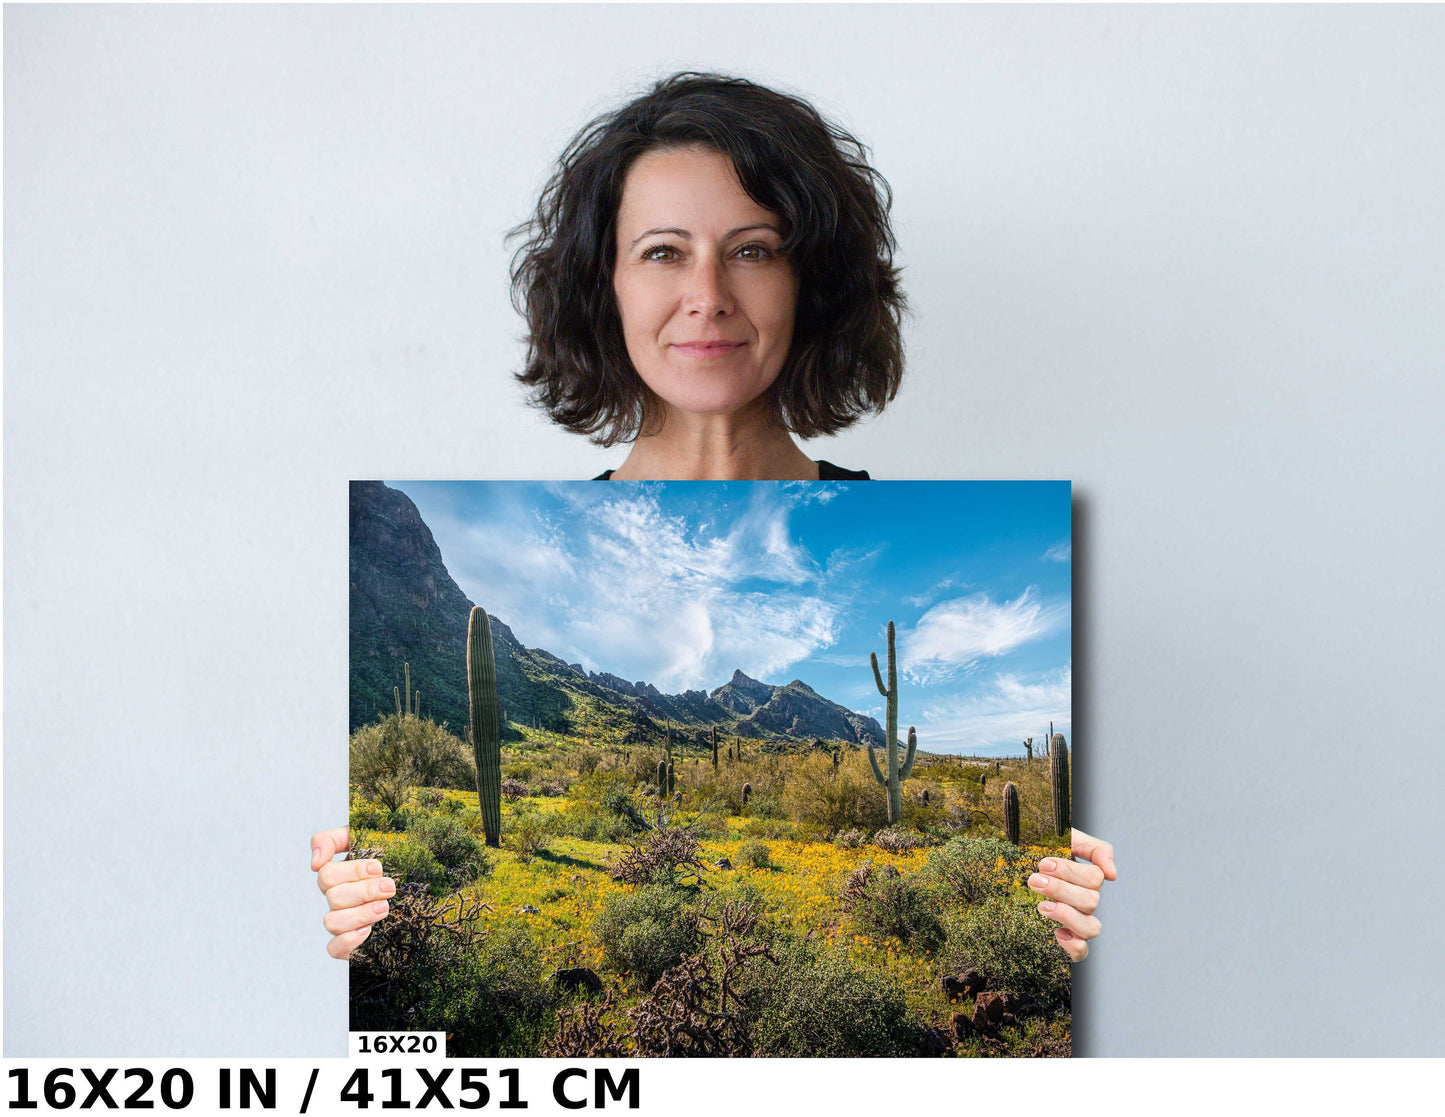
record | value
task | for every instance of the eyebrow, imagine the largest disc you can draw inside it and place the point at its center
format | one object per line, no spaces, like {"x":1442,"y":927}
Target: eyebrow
{"x":685,"y":235}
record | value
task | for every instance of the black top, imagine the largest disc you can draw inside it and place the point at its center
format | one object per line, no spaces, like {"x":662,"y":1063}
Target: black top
{"x":827,"y":471}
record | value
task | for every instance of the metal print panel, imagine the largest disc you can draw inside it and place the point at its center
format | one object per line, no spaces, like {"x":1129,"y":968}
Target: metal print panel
{"x":712,"y":768}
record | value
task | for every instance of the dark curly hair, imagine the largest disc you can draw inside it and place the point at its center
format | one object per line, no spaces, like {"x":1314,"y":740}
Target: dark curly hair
{"x":846,"y":358}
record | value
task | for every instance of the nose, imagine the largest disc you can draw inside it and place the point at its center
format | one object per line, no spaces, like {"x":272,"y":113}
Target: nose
{"x":708,"y":294}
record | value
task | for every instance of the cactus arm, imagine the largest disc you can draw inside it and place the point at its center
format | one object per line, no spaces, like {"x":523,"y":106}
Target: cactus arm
{"x":907,"y":769}
{"x":873,"y":763}
{"x":877,"y":678}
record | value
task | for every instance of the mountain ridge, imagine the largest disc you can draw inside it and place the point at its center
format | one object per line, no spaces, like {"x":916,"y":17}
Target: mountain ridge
{"x":406,"y":607}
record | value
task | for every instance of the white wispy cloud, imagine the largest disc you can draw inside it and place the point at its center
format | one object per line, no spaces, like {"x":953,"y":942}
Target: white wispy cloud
{"x":928,"y":596}
{"x":680,"y":602}
{"x":1000,"y":713}
{"x":809,"y":492}
{"x":956,"y":634}
{"x":1060,"y":552}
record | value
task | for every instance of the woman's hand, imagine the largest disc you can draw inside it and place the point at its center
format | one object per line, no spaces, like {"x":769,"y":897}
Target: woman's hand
{"x":1072,"y":889}
{"x":355,"y":890}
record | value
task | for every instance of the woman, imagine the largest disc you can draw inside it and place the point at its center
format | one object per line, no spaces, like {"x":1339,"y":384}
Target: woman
{"x":709,"y":274}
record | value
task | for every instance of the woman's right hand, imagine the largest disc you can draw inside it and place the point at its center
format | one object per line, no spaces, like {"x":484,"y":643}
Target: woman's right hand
{"x":355,"y":891}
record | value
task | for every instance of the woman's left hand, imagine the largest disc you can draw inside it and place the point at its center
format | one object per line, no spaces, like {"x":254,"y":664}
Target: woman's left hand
{"x":1072,"y":888}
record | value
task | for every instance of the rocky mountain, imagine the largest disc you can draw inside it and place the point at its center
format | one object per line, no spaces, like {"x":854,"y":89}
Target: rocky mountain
{"x":405,"y":607}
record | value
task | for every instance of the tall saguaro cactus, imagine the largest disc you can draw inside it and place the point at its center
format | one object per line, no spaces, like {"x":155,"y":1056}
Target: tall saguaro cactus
{"x":1011,"y":812}
{"x":897,"y":773}
{"x":1059,"y":777}
{"x":714,"y":748}
{"x":486,"y":728}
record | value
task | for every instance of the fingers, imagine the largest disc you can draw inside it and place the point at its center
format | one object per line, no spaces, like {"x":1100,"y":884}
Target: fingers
{"x":1084,"y":899}
{"x":356,"y":893}
{"x":327,"y":844}
{"x":340,"y":872}
{"x":341,"y":946}
{"x":1076,"y":948}
{"x":1084,"y":874}
{"x":1101,"y":853}
{"x":341,"y":920}
{"x":1083,"y":926}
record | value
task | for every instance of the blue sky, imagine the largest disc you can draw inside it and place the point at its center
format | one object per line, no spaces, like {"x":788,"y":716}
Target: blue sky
{"x":677,"y":583}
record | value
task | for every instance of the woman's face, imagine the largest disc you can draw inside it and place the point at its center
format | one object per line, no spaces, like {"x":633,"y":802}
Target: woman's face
{"x":707,"y":302}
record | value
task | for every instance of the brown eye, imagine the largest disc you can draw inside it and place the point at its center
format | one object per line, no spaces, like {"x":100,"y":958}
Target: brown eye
{"x":755,"y":252}
{"x":652,"y":253}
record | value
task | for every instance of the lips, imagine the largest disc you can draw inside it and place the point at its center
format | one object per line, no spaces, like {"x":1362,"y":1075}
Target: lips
{"x":708,"y":348}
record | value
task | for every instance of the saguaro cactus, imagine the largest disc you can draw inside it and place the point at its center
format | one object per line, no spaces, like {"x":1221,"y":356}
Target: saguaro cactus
{"x":897,"y":773}
{"x":406,"y":671}
{"x":661,"y":778}
{"x":396,"y":693}
{"x":671,"y":778}
{"x":1011,"y":813}
{"x":1059,"y":777}
{"x":747,"y":793}
{"x":486,"y":729}
{"x":714,"y":748}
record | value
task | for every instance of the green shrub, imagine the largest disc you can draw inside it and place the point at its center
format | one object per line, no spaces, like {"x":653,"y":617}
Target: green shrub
{"x":899,"y":907}
{"x":1013,"y":944}
{"x":521,"y":770}
{"x":414,"y":864}
{"x":848,"y":798}
{"x":490,"y":996}
{"x":817,"y":1002}
{"x":775,"y":829}
{"x":766,"y":805}
{"x":755,"y":853}
{"x":390,"y":756}
{"x":645,"y":931}
{"x":592,"y":823}
{"x":967,"y":868}
{"x":498,"y":1002}
{"x":367,"y":815}
{"x":527,"y":832}
{"x":455,"y":848}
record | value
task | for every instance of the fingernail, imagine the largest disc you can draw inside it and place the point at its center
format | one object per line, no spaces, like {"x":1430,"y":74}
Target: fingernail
{"x":386,"y":886}
{"x":373,"y":867}
{"x":1046,"y":906}
{"x":1048,"y":865}
{"x":1065,"y":933}
{"x":379,"y":907}
{"x":1038,"y":883}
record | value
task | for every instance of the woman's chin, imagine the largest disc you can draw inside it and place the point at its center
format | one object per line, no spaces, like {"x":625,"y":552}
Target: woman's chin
{"x":710,"y":404}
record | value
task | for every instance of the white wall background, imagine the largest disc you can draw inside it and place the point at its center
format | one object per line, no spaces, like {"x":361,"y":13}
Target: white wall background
{"x":1192,"y":258}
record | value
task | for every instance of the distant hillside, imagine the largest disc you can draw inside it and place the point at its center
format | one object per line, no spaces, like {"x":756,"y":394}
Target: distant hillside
{"x":405,"y":607}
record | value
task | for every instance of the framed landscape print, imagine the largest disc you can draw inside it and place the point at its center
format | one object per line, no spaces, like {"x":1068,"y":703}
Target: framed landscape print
{"x":712,"y":768}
